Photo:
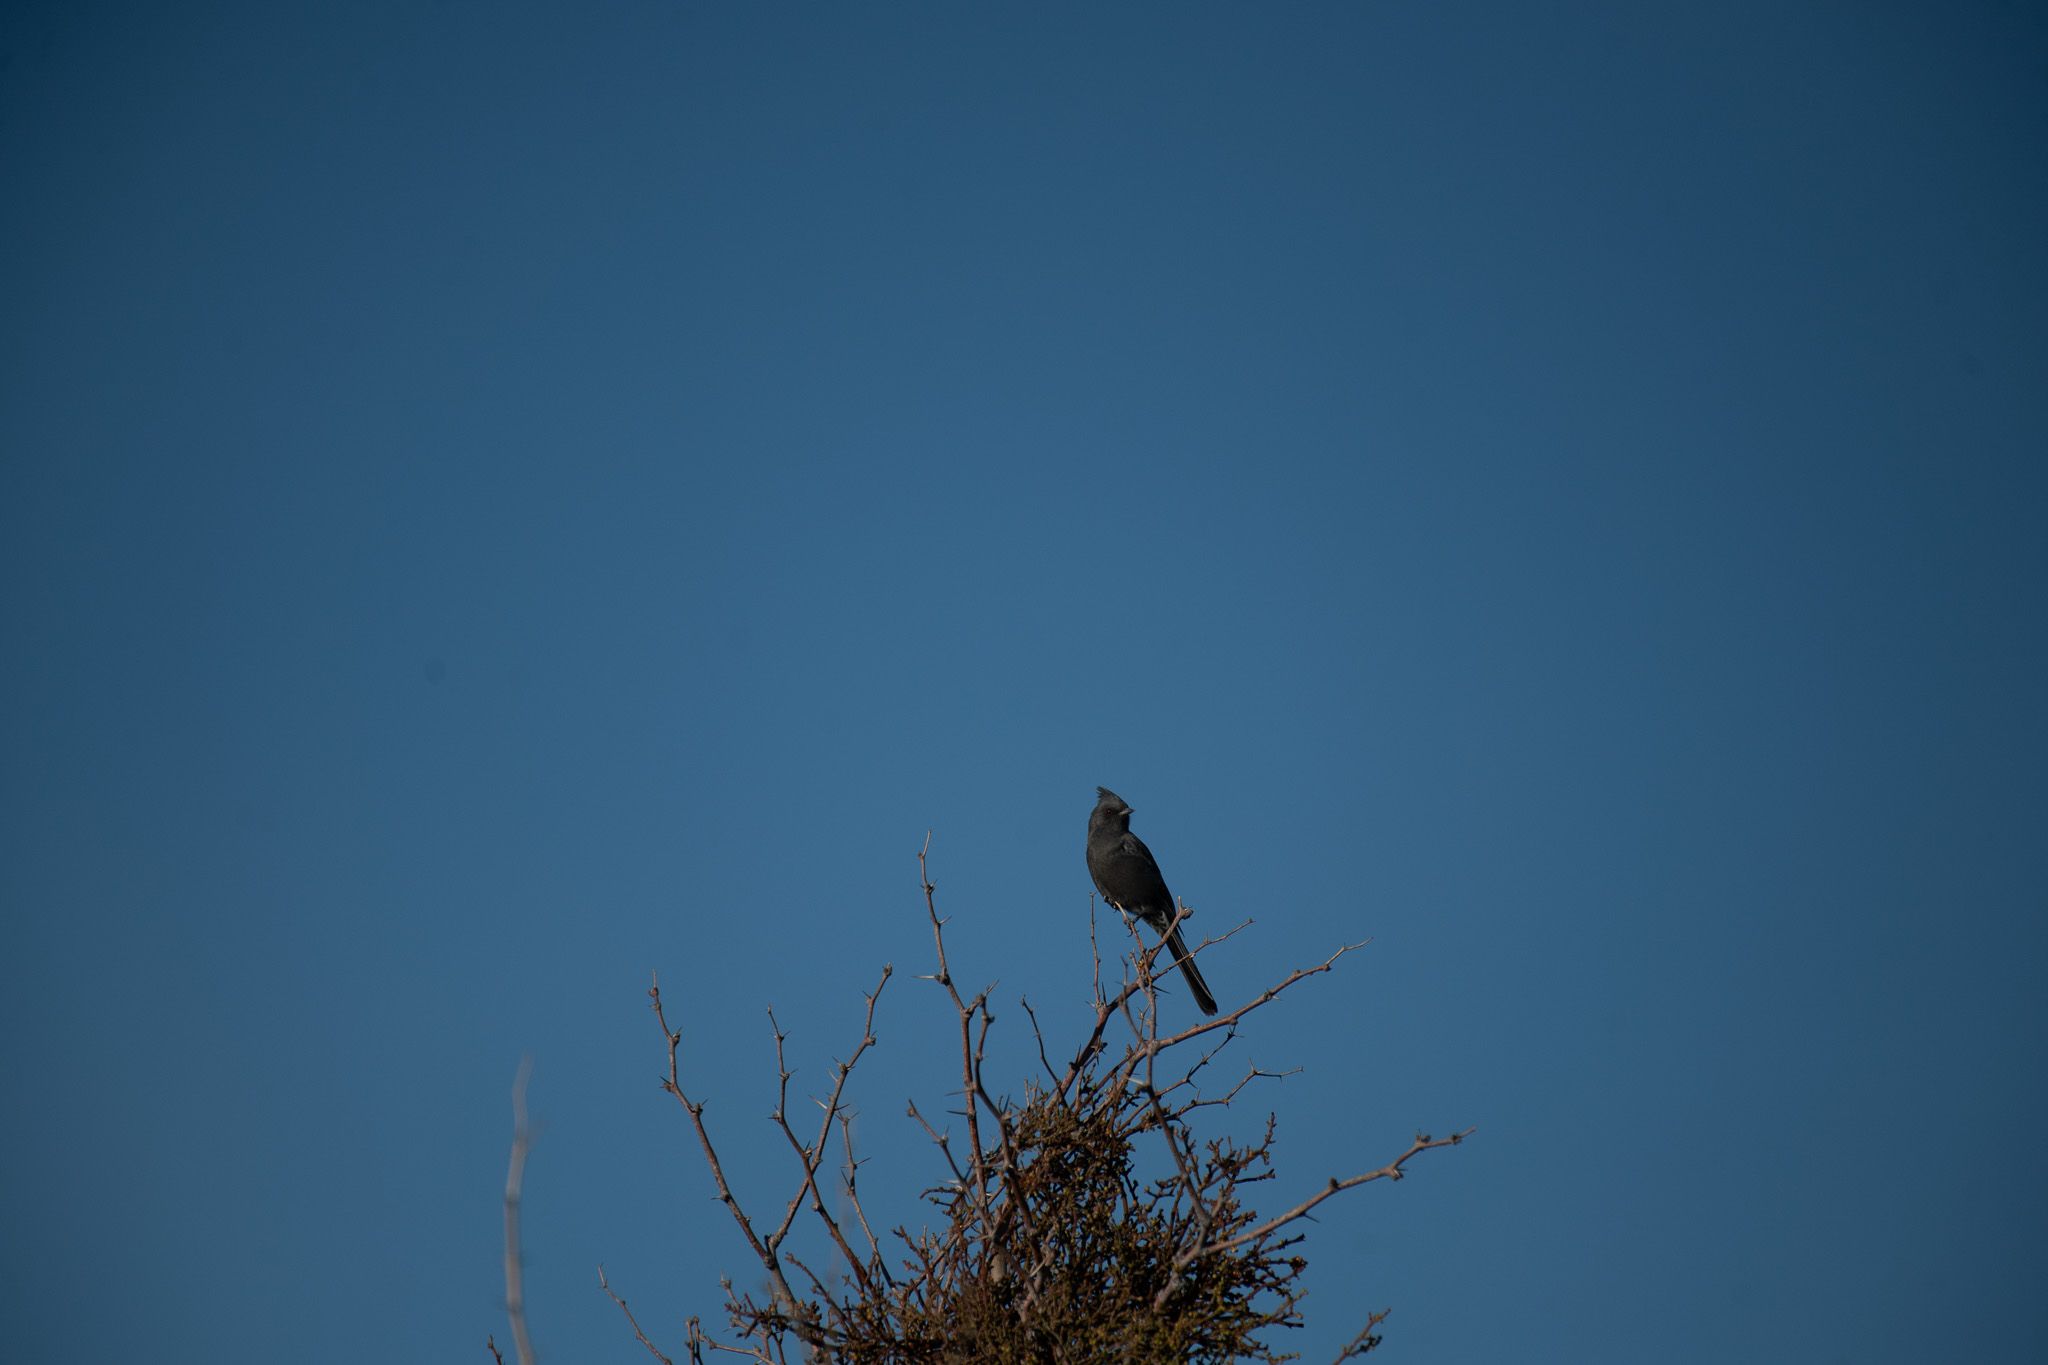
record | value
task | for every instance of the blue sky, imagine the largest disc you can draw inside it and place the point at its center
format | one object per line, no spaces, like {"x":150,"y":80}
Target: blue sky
{"x":504,"y":499}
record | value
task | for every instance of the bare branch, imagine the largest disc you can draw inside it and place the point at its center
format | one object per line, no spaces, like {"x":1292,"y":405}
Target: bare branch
{"x":1391,"y":1171}
{"x":969,"y":1085}
{"x":607,"y":1287}
{"x":673,"y":1085}
{"x":1107,"y":1009}
{"x":1230,"y":1020}
{"x":811,"y":1157}
{"x":1050,"y":1228}
{"x":1038,"y":1034}
{"x":851,"y":1175}
{"x":1364,"y":1341}
{"x":515,"y":1175}
{"x":1224,"y":1100}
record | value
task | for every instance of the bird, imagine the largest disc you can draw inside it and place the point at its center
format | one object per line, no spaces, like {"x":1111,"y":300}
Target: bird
{"x":1128,"y":877}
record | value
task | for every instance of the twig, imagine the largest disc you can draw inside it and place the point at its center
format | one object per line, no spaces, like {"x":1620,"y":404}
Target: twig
{"x":1391,"y":1171}
{"x":1039,"y":1035}
{"x":969,"y":1083}
{"x":1232,"y":1019}
{"x":785,"y":1296}
{"x":607,"y":1287}
{"x":1223,"y":1101}
{"x":813,"y":1156}
{"x":851,"y":1175}
{"x":515,"y":1174}
{"x":1365,"y":1340}
{"x":1107,"y":1009}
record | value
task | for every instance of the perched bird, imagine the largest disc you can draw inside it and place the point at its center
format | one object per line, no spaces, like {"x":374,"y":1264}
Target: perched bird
{"x":1128,"y":878}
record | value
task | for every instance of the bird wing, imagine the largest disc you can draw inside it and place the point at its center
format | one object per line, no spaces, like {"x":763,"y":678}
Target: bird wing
{"x":1153,"y":898}
{"x":1134,"y":847}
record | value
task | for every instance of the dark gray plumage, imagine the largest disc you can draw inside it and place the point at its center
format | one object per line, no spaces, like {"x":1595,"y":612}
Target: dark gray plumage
{"x":1128,"y":877}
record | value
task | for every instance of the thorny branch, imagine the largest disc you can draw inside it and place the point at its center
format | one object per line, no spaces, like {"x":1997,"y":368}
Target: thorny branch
{"x":1023,"y":1237}
{"x":1364,"y":1341}
{"x":813,"y":1156}
{"x":631,"y":1321}
{"x":785,"y":1298}
{"x":1391,"y":1171}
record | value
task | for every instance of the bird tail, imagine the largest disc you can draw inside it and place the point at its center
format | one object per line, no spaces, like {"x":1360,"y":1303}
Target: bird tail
{"x":1196,"y":986}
